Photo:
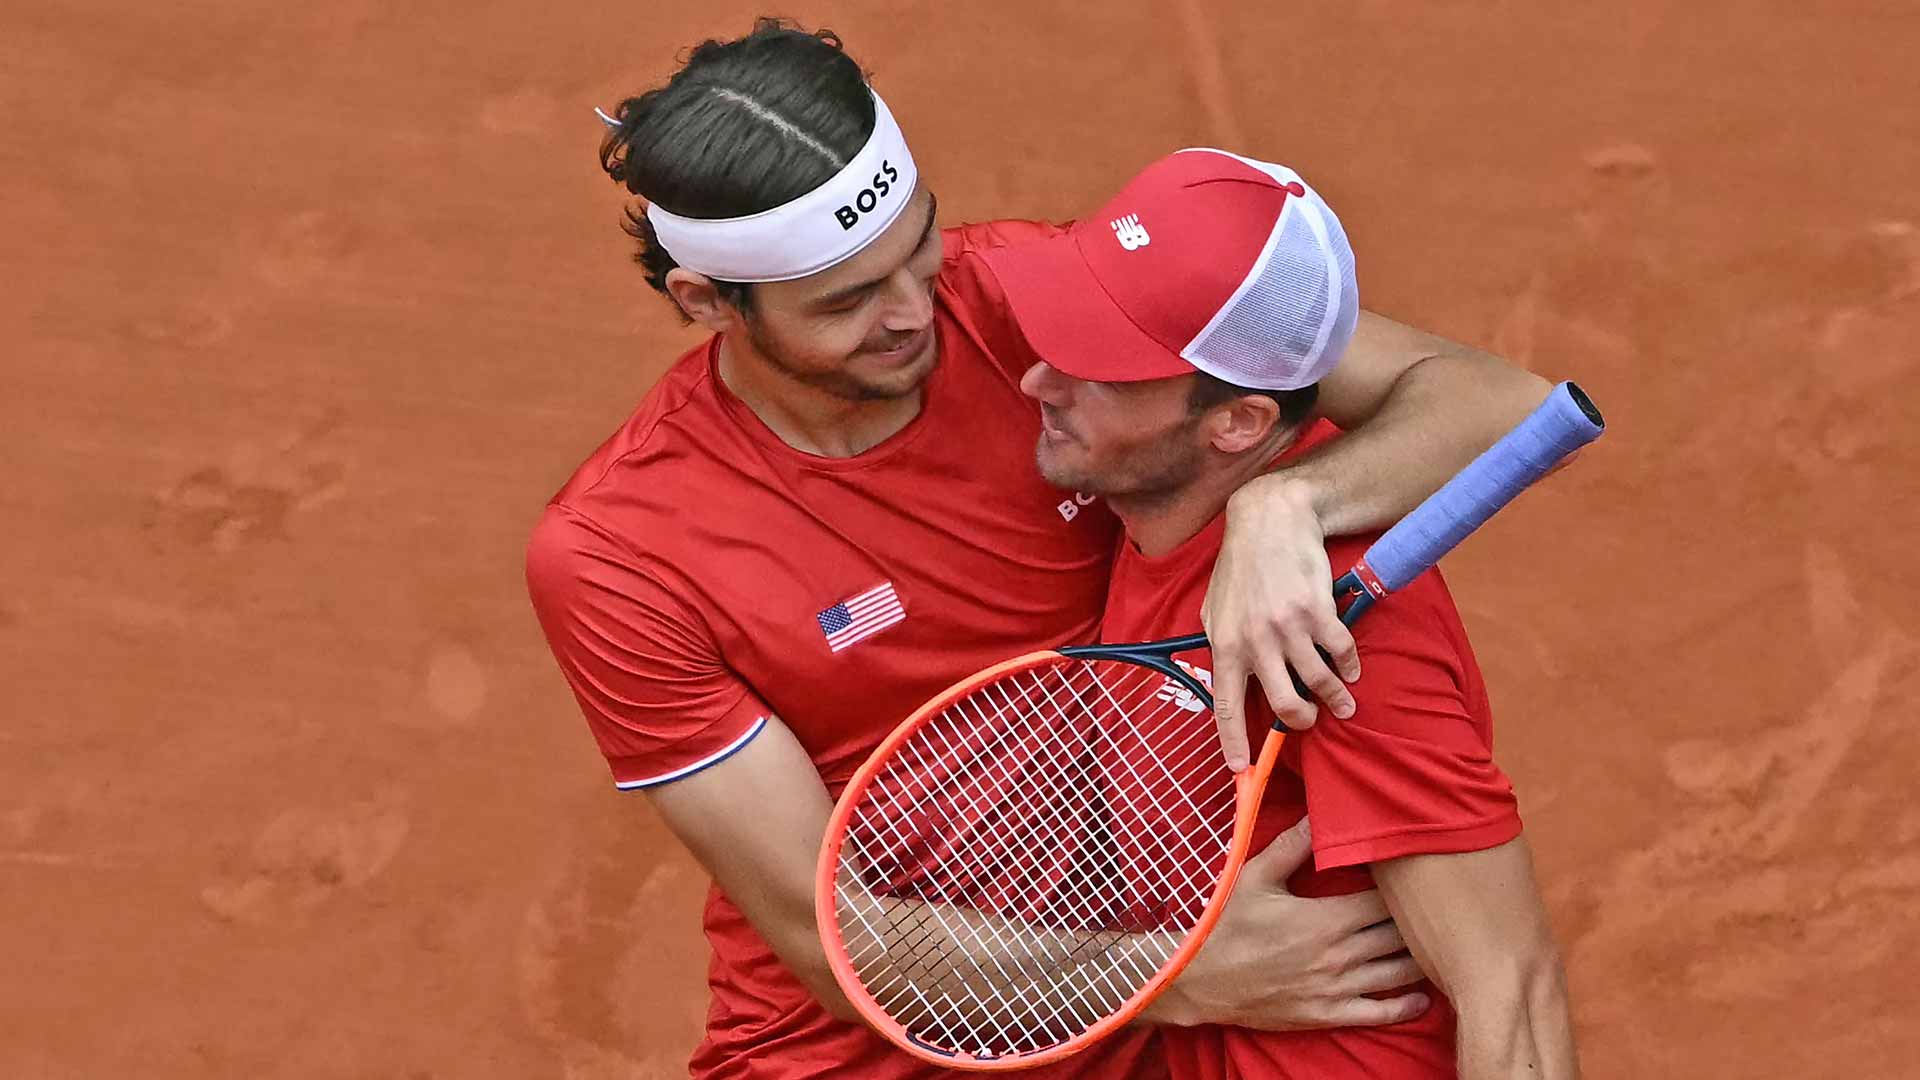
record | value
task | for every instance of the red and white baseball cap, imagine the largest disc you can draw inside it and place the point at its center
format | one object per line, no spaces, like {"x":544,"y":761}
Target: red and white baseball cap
{"x":1206,"y":260}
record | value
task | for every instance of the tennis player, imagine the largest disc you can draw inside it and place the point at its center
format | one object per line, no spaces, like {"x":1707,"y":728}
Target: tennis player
{"x":1174,"y":373}
{"x":827,"y":511}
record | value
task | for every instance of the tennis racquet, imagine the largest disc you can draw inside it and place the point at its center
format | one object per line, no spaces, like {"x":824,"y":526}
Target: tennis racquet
{"x":1033,"y":855}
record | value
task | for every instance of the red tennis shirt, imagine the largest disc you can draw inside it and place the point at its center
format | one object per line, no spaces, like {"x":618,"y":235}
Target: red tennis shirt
{"x":1411,"y":772}
{"x":697,"y":575}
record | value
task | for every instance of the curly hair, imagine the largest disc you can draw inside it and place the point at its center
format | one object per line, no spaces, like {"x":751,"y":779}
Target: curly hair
{"x":744,"y":126}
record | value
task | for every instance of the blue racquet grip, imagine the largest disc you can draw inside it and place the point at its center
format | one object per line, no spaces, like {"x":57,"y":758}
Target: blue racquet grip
{"x":1563,"y":423}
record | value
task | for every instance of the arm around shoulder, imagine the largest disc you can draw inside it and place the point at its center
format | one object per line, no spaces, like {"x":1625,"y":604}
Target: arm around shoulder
{"x":1416,"y":408}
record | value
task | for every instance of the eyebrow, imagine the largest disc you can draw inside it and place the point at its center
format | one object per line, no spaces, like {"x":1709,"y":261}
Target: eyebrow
{"x":850,"y":291}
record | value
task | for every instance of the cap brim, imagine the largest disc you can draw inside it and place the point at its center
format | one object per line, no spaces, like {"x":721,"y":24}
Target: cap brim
{"x":1068,"y":318}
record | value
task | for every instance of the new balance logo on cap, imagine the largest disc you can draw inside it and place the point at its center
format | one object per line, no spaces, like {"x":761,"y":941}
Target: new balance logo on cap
{"x":1133,"y":235}
{"x":1250,"y":279}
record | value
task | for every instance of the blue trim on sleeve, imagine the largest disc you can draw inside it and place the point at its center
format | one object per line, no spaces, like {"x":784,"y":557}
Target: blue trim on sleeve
{"x":728,"y":751}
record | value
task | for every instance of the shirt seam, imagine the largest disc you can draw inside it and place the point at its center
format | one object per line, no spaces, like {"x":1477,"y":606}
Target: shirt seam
{"x":1417,"y":830}
{"x":653,"y":426}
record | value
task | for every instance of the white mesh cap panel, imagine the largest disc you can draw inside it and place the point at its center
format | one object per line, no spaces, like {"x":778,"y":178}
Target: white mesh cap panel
{"x":1291,"y":318}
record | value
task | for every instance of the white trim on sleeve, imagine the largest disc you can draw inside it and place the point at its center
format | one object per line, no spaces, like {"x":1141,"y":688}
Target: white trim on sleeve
{"x":688,"y":770}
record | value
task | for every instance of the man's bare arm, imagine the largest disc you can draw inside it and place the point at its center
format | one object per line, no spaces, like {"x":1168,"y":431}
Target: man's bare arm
{"x":1416,"y":409}
{"x":756,"y":821}
{"x":1476,"y":923}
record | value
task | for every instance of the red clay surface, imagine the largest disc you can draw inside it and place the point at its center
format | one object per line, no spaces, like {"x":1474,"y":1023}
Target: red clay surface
{"x":309,"y":308}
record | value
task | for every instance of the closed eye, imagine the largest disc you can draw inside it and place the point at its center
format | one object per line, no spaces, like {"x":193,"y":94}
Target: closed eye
{"x":851,"y":303}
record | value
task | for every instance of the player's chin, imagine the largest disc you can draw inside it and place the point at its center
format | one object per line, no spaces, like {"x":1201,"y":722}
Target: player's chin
{"x":1054,"y":456}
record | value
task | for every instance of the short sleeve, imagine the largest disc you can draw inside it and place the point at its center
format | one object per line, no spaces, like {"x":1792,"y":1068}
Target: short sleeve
{"x":659,"y":700}
{"x":1412,"y":771}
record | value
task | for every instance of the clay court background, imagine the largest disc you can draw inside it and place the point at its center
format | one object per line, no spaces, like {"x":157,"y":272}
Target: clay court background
{"x":307,"y":309}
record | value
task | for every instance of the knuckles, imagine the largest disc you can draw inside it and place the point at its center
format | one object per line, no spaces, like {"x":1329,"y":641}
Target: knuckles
{"x":1318,"y":676}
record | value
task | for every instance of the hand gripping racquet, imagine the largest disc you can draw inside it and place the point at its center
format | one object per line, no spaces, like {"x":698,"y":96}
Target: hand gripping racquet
{"x":1033,"y":855}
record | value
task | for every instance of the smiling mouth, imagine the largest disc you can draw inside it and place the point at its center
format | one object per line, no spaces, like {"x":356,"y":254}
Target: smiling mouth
{"x":911,"y":346}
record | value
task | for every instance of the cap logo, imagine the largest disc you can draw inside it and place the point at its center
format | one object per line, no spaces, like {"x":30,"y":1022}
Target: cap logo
{"x":1131,"y":234}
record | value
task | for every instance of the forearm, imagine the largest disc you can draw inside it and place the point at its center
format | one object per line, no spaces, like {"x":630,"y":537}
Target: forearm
{"x":1476,"y":923}
{"x":910,"y":953}
{"x":1517,"y":1027}
{"x":755,"y":822}
{"x":1438,"y":415}
{"x":791,"y":931}
{"x":950,"y":967}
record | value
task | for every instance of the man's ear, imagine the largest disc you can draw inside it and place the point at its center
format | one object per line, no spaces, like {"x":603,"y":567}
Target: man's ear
{"x":1243,"y":423}
{"x":697,"y":296}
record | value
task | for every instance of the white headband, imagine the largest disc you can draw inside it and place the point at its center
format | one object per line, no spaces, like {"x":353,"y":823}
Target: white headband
{"x":818,"y":230}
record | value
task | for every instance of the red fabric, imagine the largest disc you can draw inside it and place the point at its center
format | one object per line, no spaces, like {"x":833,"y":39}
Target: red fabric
{"x":1411,"y":772}
{"x":1099,"y":309}
{"x":679,"y":573}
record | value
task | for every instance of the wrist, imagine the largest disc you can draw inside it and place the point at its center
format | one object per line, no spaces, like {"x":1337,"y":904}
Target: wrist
{"x":1295,"y":496}
{"x":1171,"y":1009}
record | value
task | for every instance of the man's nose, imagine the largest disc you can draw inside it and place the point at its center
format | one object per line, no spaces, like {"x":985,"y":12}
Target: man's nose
{"x":909,"y":304}
{"x":1042,"y":383}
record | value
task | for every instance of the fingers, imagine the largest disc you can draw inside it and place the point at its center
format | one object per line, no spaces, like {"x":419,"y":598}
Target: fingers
{"x":1355,"y":911}
{"x":1373,"y":1012}
{"x":1229,"y":709}
{"x":1233,"y":741}
{"x":1382,"y":975}
{"x":1286,"y":629}
{"x":1290,"y":698}
{"x":1310,"y":671}
{"x":1279,"y":860}
{"x":1234,"y":660}
{"x":1336,"y":644}
{"x":1380,"y":941}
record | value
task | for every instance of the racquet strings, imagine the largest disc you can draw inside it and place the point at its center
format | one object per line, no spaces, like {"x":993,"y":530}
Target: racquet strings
{"x":1033,"y":854}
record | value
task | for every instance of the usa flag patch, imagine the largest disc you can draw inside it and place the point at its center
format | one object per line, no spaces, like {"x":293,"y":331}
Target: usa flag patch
{"x":860,"y":617}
